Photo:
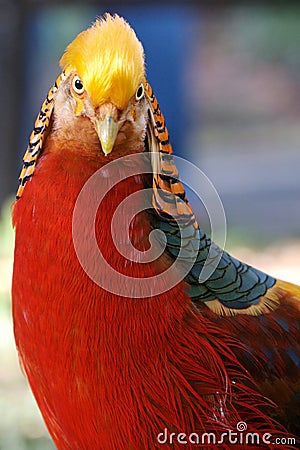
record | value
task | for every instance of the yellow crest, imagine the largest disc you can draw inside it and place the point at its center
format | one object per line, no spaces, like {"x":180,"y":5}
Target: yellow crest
{"x":109,"y":59}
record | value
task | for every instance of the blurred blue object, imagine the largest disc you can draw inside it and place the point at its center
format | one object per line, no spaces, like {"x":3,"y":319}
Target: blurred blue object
{"x":47,"y":32}
{"x":166,"y":34}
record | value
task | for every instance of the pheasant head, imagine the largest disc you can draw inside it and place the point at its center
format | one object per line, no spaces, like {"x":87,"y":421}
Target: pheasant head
{"x":102,"y":103}
{"x":105,"y":84}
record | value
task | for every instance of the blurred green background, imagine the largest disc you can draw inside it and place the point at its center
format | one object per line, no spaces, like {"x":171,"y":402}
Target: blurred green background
{"x":227,"y":77}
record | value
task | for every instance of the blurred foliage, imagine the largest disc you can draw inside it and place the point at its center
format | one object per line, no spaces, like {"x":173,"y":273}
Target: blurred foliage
{"x":6,"y":252}
{"x":6,"y":231}
{"x":269,"y":34}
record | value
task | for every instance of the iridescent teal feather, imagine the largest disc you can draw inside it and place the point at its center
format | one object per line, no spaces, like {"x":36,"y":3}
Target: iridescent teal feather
{"x":234,"y":283}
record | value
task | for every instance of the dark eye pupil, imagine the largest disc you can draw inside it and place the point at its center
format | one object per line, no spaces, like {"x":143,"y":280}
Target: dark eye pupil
{"x":139,"y":92}
{"x":78,"y":84}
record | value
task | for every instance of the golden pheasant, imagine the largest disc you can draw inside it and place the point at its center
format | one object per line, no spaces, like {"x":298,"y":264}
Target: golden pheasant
{"x":118,"y":354}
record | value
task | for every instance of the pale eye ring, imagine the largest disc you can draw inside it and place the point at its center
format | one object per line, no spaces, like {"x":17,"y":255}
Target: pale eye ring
{"x":140,"y":92}
{"x":77,"y":85}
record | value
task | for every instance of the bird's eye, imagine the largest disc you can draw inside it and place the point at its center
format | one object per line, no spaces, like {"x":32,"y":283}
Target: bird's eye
{"x":140,"y":92}
{"x":77,"y":85}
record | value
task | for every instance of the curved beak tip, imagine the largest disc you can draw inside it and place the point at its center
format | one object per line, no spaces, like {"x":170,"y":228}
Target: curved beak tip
{"x":107,"y":130}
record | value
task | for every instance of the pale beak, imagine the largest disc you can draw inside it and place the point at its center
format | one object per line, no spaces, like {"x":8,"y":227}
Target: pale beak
{"x":107,"y":127}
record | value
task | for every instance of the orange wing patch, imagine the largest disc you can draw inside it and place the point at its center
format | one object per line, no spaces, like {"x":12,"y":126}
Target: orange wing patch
{"x":169,"y":195}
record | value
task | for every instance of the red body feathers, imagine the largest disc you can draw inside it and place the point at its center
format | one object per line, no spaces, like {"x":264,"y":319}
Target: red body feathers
{"x":110,"y":372}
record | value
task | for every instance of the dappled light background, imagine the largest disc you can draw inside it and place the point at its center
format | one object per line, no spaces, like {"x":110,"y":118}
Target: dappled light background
{"x":227,"y":79}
